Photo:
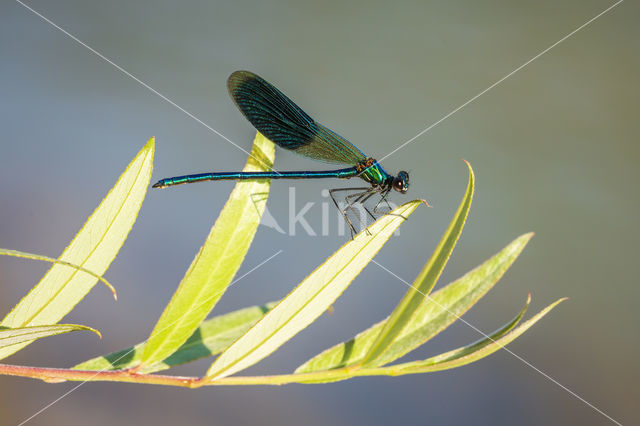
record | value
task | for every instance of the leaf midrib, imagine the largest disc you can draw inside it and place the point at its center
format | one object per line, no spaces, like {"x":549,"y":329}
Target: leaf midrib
{"x":183,"y":318}
{"x":37,"y":312}
{"x":256,"y":347}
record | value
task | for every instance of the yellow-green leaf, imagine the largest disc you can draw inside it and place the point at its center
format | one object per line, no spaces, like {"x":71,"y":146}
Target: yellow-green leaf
{"x":310,"y":298}
{"x":93,"y":248}
{"x":484,"y":341}
{"x":14,"y":336}
{"x":212,"y":337}
{"x":25,"y":255}
{"x":435,"y":314}
{"x":217,"y":261}
{"x":452,"y":359}
{"x":404,"y":311}
{"x":462,"y":356}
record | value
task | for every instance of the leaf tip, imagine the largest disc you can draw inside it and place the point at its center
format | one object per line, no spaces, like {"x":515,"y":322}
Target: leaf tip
{"x":469,"y":166}
{"x":112,"y":288}
{"x":94,"y":330}
{"x":522,"y":240}
{"x":554,"y":304}
{"x":149,"y":147}
{"x":108,"y":284}
{"x":472,"y":180}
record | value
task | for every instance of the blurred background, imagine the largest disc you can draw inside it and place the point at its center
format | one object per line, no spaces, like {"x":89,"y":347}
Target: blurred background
{"x":554,"y":148}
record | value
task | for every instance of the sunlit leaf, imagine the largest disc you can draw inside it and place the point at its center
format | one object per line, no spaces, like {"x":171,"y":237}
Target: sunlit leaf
{"x":212,"y":337}
{"x":310,"y":298}
{"x":452,"y":359}
{"x":217,"y":261}
{"x":14,"y":336}
{"x":484,"y":341}
{"x":455,"y":358}
{"x":25,"y":255}
{"x":93,"y":248}
{"x":416,"y":295}
{"x":468,"y":355}
{"x":436,"y":313}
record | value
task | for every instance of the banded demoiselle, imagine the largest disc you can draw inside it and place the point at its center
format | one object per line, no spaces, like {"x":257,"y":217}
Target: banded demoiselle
{"x":283,"y":122}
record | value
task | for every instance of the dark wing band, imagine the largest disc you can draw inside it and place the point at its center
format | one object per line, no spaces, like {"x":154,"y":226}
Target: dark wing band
{"x":285,"y":123}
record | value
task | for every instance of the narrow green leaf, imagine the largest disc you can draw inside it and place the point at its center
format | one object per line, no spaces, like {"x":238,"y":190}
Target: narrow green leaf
{"x":212,"y":337}
{"x":415,"y":296}
{"x":441,"y":309}
{"x":216,"y":263}
{"x":446,"y":357}
{"x":14,"y":336}
{"x":445,"y":361}
{"x":310,"y":298}
{"x":93,"y":248}
{"x":481,"y":343}
{"x":25,"y":255}
{"x":462,"y":356}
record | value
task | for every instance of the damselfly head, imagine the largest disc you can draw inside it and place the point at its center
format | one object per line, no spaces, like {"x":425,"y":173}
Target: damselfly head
{"x":401,"y":182}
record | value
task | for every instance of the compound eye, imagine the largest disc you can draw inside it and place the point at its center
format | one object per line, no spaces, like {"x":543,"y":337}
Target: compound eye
{"x":401,"y":182}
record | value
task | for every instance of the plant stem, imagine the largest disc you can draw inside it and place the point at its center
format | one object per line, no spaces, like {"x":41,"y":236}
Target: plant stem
{"x":62,"y":374}
{"x":55,"y":375}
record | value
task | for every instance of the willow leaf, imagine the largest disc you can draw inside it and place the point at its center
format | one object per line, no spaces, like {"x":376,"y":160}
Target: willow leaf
{"x":435,"y":314}
{"x":415,"y":296}
{"x":25,"y":255}
{"x":452,"y":359}
{"x":216,"y":263}
{"x":93,"y":248}
{"x":462,"y":356}
{"x":310,"y":298}
{"x":484,"y":341}
{"x":212,"y":337}
{"x":14,"y":336}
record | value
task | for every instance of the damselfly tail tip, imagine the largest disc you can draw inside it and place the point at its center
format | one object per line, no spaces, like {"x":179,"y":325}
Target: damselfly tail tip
{"x":159,"y":184}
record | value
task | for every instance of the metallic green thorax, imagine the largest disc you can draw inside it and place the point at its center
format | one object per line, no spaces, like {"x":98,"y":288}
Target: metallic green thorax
{"x":372,"y":172}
